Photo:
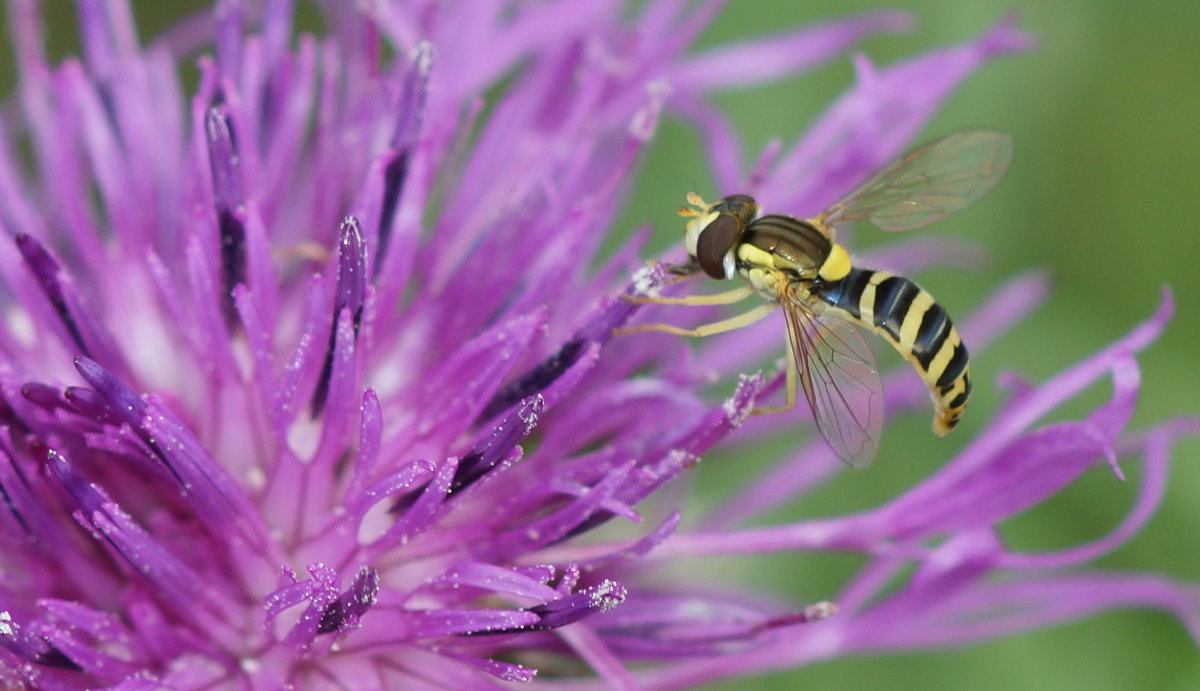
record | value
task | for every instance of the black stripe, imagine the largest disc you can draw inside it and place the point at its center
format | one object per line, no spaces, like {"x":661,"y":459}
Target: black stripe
{"x":940,"y":341}
{"x":776,"y":222}
{"x":856,"y":283}
{"x":534,"y":379}
{"x":233,"y":261}
{"x":960,"y":399}
{"x":958,"y":363}
{"x":394,"y":175}
{"x":893,"y":298}
{"x":846,"y":294}
{"x":789,"y":238}
{"x":931,"y":334}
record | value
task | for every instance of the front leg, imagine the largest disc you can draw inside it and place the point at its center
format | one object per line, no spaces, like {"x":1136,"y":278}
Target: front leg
{"x":741,"y":320}
{"x":727,"y":298}
{"x":793,"y":368}
{"x":689,"y":268}
{"x":676,"y":272}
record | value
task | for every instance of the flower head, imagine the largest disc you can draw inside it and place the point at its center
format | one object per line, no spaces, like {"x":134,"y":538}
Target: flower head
{"x":307,"y":378}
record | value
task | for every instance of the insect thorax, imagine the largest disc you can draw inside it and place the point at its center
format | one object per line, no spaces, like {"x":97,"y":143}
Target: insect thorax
{"x":789,"y":245}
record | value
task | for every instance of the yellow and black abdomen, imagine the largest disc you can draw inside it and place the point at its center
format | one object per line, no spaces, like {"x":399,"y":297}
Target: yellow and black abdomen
{"x":908,"y":317}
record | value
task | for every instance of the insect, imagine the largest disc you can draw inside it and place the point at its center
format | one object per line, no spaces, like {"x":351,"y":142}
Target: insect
{"x":797,"y":265}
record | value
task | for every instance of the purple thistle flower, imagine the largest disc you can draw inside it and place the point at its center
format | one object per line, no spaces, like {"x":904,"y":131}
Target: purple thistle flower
{"x":306,"y":380}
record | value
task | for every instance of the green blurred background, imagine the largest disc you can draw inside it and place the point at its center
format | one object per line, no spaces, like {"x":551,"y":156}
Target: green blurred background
{"x":1102,"y":194}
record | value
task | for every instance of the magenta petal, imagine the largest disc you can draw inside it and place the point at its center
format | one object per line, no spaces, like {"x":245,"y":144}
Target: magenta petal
{"x":504,"y":671}
{"x":352,"y":604}
{"x":495,"y":579}
{"x":765,"y":59}
{"x":417,"y":509}
{"x":450,"y":622}
{"x":449,"y":400}
{"x":1025,"y":472}
{"x":227,"y":188}
{"x":500,"y":444}
{"x":115,"y":530}
{"x":567,"y":610}
{"x":349,"y":295}
{"x":1149,"y":497}
{"x":29,"y":647}
{"x":84,"y":331}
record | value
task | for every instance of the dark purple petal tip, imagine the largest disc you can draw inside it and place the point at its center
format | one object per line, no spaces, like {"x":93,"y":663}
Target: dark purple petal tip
{"x":223,"y":160}
{"x":46,"y":271}
{"x":499,"y":444}
{"x":351,"y":274}
{"x":570,"y":609}
{"x":349,"y":607}
{"x":124,"y":403}
{"x":31,"y":647}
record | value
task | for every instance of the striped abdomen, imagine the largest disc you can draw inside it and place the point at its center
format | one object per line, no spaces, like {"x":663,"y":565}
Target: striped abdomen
{"x":916,"y":326}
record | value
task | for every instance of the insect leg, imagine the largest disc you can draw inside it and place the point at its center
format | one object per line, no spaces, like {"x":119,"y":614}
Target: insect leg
{"x":727,"y":298}
{"x":743,"y":319}
{"x":678,"y":272}
{"x":792,"y":373}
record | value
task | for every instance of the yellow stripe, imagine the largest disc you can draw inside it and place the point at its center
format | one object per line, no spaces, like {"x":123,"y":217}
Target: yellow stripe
{"x":912,"y":321}
{"x":957,"y":387}
{"x":756,"y":257}
{"x":836,"y":265}
{"x":947,"y":416}
{"x":943,"y":357}
{"x":866,"y":302}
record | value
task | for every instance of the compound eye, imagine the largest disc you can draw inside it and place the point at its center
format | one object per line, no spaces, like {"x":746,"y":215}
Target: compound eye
{"x":715,"y":241}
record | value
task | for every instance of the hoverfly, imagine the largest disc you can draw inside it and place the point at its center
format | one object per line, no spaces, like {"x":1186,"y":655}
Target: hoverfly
{"x":796,"y":264}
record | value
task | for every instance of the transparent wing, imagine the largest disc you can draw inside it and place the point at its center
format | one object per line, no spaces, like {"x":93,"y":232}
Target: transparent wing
{"x":837,"y":372}
{"x":929,"y":182}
